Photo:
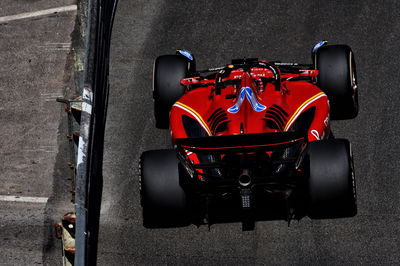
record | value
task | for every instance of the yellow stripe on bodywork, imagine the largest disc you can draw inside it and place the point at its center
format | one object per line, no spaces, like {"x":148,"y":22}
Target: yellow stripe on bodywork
{"x":197,"y":116}
{"x":294,"y":116}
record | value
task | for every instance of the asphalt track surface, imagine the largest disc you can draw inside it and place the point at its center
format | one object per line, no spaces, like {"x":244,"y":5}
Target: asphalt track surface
{"x":36,"y":67}
{"x":217,"y":31}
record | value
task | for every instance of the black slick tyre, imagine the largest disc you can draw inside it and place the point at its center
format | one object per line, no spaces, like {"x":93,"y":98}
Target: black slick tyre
{"x":163,"y":199}
{"x":337,"y":78}
{"x":167,"y":89}
{"x":331,"y":184}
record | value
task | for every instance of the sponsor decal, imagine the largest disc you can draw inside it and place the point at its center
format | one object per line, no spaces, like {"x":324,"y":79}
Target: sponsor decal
{"x":326,"y":121}
{"x":246,"y":92}
{"x":186,"y":53}
{"x":315,"y":133}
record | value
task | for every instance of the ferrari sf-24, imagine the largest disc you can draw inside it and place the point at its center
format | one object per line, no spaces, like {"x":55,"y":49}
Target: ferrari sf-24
{"x":252,"y":140}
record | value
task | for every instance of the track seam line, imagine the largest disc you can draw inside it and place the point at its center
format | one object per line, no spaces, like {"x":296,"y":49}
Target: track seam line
{"x":10,"y":198}
{"x":39,"y":13}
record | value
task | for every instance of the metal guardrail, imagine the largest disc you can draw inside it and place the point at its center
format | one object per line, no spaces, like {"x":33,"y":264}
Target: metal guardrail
{"x":89,"y":181}
{"x":86,"y":125}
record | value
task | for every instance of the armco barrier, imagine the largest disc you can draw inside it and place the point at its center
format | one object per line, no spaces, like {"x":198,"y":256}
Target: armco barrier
{"x":96,"y":27}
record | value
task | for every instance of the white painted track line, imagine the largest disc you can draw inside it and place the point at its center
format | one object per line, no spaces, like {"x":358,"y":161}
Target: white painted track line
{"x":38,"y":13}
{"x":23,"y":199}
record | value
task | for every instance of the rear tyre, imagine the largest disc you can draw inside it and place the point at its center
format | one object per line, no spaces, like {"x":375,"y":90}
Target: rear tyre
{"x":337,"y":78}
{"x":163,"y":199}
{"x":168,"y":71}
{"x":331,"y":184}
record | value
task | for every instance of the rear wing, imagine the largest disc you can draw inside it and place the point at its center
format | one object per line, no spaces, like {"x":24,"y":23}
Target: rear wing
{"x":243,"y":143}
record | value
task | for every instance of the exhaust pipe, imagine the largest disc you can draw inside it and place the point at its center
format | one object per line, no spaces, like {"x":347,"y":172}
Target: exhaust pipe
{"x":244,"y":178}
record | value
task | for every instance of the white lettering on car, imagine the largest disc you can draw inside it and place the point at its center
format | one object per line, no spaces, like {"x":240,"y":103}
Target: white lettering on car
{"x":315,"y":133}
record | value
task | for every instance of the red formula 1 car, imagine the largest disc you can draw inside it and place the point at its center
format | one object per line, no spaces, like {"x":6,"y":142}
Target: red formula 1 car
{"x":252,"y":140}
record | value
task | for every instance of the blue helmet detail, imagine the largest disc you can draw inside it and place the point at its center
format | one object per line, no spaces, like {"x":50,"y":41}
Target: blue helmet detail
{"x":186,"y":53}
{"x":319,"y":45}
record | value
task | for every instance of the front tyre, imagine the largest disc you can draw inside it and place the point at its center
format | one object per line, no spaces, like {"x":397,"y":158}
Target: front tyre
{"x":337,"y":78}
{"x":167,"y":89}
{"x":331,"y":184}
